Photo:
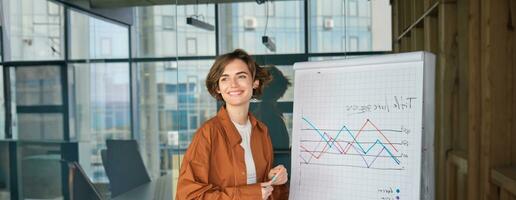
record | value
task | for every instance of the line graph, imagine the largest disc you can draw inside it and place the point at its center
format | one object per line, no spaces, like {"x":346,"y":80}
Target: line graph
{"x":362,"y":149}
{"x":357,"y":129}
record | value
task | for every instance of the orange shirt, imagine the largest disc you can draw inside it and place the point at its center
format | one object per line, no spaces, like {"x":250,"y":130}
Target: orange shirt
{"x":214,"y":166}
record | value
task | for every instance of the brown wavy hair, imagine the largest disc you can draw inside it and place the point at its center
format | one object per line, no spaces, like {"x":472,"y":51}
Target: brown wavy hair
{"x":258,"y":73}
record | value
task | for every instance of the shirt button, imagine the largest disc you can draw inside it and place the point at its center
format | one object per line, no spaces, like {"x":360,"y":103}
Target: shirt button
{"x":243,"y":173}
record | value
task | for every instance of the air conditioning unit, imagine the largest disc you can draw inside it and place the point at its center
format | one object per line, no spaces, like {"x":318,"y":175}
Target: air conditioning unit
{"x":250,"y":23}
{"x":170,"y":65}
{"x":328,"y":23}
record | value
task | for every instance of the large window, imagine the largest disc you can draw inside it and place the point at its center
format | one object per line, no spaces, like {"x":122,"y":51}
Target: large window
{"x":33,"y":30}
{"x":46,"y":112}
{"x":157,"y":133}
{"x":173,"y":103}
{"x":102,"y":110}
{"x":162,"y":31}
{"x":5,"y":171}
{"x":100,"y":91}
{"x":93,"y":38}
{"x":39,"y":170}
{"x":39,"y":85}
{"x":246,"y":23}
{"x":361,"y":25}
{"x":37,"y":92}
{"x":161,"y":85}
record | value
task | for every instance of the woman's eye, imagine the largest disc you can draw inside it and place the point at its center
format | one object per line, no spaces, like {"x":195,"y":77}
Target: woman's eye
{"x":223,"y":79}
{"x":242,"y":76}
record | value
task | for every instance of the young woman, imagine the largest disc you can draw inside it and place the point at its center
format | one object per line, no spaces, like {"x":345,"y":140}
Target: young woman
{"x":231,"y":155}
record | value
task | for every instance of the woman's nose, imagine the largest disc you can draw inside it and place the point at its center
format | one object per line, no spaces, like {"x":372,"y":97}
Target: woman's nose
{"x":234,"y":82}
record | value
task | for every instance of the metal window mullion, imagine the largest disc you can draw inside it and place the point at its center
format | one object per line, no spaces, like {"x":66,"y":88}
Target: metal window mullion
{"x":134,"y":126}
{"x":1,"y":40}
{"x":42,"y":109}
{"x":217,"y":42}
{"x":7,"y":102}
{"x":65,"y":105}
{"x":64,"y":75}
{"x":35,"y":63}
{"x":13,"y":170}
{"x":306,"y":17}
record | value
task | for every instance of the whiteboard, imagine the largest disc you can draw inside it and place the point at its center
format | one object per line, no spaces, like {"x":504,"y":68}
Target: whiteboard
{"x":363,"y":128}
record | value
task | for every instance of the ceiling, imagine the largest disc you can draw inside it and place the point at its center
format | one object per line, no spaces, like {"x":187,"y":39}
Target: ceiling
{"x":130,"y":3}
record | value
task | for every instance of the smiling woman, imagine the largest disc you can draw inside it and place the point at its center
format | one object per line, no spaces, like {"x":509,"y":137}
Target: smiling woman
{"x":240,"y":167}
{"x":235,"y":83}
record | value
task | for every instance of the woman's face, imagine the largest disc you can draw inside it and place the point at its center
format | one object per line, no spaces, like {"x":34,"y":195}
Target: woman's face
{"x":236,"y":83}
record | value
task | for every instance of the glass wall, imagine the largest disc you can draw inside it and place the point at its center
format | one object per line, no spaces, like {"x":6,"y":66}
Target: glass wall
{"x":37,"y":89}
{"x":92,"y":38}
{"x":246,"y":23}
{"x":34,"y":30}
{"x":4,"y":171}
{"x":99,"y":91}
{"x":39,"y":126}
{"x":350,"y":26}
{"x":38,"y":85}
{"x":156,"y":132}
{"x":166,"y":76}
{"x":39,"y":169}
{"x":172,"y":102}
{"x":162,"y":31}
{"x":97,"y":96}
{"x":102,"y":111}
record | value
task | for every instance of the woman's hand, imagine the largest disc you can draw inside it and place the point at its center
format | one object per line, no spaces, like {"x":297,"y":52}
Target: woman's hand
{"x":266,"y":190}
{"x":278,"y":175}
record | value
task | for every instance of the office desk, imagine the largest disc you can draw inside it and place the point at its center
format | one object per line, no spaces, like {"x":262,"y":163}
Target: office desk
{"x":159,"y":189}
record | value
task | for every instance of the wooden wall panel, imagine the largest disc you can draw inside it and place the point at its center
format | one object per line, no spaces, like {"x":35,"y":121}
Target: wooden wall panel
{"x":461,"y":122}
{"x":512,"y":84}
{"x":485,"y":101}
{"x":395,"y":25}
{"x":430,"y":30}
{"x":401,"y":21}
{"x":446,"y":75}
{"x":407,"y":20}
{"x":475,"y":44}
{"x":474,"y":85}
{"x":417,"y":33}
{"x":496,"y":133}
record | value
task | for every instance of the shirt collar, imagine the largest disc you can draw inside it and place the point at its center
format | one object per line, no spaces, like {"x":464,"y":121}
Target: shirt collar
{"x":229,"y":127}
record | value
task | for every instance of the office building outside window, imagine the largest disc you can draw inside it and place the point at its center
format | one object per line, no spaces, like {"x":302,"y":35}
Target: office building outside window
{"x":33,"y":30}
{"x":157,"y":95}
{"x":160,"y":35}
{"x":367,"y":23}
{"x":245,"y":23}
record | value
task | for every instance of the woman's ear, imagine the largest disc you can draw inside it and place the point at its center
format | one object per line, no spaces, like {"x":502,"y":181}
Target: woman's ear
{"x":256,"y":83}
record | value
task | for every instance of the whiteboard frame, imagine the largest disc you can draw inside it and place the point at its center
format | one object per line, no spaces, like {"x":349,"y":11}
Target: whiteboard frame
{"x":427,"y":190}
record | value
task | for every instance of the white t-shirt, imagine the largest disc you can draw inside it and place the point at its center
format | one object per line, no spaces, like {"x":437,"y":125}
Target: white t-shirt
{"x":245,"y":133}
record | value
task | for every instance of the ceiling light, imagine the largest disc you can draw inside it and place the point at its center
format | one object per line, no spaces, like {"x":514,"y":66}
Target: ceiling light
{"x":199,"y":24}
{"x":269,"y":43}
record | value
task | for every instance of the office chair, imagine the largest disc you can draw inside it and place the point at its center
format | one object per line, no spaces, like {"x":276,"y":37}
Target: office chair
{"x":103,"y":156}
{"x":79,"y":185}
{"x":124,"y":166}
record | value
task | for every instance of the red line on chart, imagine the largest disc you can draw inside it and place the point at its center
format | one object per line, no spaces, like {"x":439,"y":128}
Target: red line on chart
{"x":360,"y":131}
